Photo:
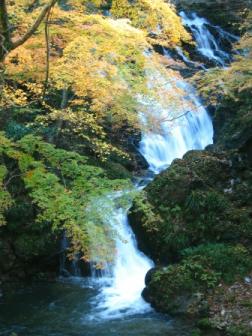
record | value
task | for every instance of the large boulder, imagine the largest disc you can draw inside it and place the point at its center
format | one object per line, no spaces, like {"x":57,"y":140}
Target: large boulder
{"x":205,"y":197}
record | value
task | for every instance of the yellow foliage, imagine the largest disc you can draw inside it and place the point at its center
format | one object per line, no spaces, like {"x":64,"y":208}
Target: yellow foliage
{"x":157,"y":17}
{"x":97,"y":63}
{"x":12,"y":97}
{"x":102,"y":63}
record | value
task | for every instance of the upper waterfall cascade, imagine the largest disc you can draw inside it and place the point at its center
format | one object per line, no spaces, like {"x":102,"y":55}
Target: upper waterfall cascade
{"x":209,"y":44}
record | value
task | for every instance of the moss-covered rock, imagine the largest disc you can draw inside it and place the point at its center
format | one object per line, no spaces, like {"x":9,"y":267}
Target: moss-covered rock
{"x":196,"y":217}
{"x":205,"y":197}
{"x":207,"y":285}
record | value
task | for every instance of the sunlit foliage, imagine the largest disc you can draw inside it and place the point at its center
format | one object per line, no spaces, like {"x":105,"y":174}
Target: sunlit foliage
{"x":156,"y":17}
{"x":100,"y":64}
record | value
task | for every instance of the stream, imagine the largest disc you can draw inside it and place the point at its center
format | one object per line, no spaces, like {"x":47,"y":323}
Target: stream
{"x":111,"y":304}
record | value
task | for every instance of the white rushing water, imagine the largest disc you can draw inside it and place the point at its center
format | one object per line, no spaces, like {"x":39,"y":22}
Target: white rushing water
{"x":191,"y":130}
{"x":121,"y":294}
{"x":183,"y":126}
{"x":208,"y":45}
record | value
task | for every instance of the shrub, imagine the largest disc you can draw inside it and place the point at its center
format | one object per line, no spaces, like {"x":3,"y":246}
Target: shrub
{"x":227,"y":261}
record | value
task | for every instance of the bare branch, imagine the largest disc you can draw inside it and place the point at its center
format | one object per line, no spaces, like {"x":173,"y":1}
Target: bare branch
{"x":12,"y":177}
{"x":175,"y":118}
{"x":35,"y":25}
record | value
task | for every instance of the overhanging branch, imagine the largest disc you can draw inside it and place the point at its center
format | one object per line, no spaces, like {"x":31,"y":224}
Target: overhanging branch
{"x":35,"y":25}
{"x":175,"y":118}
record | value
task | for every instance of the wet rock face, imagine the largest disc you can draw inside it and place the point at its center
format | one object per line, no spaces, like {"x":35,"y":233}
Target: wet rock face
{"x":15,"y":265}
{"x":229,"y":14}
{"x":233,"y":124}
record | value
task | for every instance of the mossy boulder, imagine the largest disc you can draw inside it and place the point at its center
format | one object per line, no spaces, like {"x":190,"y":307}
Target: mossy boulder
{"x":205,"y":197}
{"x":183,"y":288}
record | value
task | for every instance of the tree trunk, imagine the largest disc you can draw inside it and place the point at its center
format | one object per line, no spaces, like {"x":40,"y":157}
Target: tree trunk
{"x":59,"y":123}
{"x":5,"y":41}
{"x":63,"y":105}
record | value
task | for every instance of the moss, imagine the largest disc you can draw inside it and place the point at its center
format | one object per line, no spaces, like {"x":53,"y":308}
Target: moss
{"x":116,"y":170}
{"x":29,"y":244}
{"x":239,"y":331}
{"x":201,"y":223}
{"x":196,"y":332}
{"x":174,"y":289}
{"x":203,"y":198}
{"x":228,"y":261}
{"x":204,"y":324}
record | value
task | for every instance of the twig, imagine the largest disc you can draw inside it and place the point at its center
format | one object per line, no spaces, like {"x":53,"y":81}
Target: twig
{"x":47,"y":54}
{"x":175,"y":118}
{"x":35,"y":25}
{"x":11,"y":178}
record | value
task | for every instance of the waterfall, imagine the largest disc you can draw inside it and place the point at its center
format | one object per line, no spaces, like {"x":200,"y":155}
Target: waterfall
{"x":63,"y":247}
{"x":171,"y":126}
{"x":209,"y":44}
{"x":121,"y":293}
